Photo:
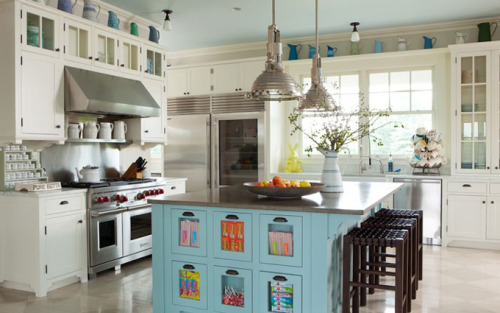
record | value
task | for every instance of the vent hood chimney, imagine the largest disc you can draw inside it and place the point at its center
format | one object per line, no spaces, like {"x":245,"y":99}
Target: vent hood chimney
{"x":97,"y":93}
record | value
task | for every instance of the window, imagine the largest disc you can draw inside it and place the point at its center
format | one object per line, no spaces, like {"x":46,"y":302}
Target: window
{"x":409,"y":94}
{"x":345,"y":91}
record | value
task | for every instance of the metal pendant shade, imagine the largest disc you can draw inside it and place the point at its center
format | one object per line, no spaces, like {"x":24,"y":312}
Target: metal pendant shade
{"x":318,"y":97}
{"x":274,"y":84}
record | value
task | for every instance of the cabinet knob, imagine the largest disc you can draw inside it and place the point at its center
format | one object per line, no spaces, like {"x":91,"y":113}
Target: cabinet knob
{"x":97,"y":59}
{"x":236,"y":89}
{"x":57,"y":50}
{"x":239,"y":89}
{"x":80,"y":222}
{"x":58,"y":126}
{"x":496,"y":167}
{"x":123,"y":65}
{"x":487,"y":167}
{"x":484,"y":202}
{"x":146,"y":131}
{"x":492,"y":202}
{"x":90,"y":58}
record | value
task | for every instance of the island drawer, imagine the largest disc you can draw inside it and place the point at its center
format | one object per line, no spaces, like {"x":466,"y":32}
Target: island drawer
{"x":62,"y":204}
{"x":280,"y":292}
{"x":175,"y":188}
{"x":189,"y":285}
{"x":280,"y":239}
{"x":189,"y":232}
{"x":233,"y":236}
{"x":232,"y":290}
{"x":467,"y":187}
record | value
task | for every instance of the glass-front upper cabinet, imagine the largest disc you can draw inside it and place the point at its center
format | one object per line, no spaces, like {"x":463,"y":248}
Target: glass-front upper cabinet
{"x":130,"y":57}
{"x":496,"y":111}
{"x":40,"y":31}
{"x":473,"y":107}
{"x":77,"y":42}
{"x":106,"y":49}
{"x":154,"y":62}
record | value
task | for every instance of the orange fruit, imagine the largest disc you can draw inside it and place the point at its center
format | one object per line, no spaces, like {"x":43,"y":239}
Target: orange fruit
{"x":271,"y":185}
{"x":276,"y":180}
{"x":280,"y":185}
{"x":288,"y":185}
{"x":259,"y":184}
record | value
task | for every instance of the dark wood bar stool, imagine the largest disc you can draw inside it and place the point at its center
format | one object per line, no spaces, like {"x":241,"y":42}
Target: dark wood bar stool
{"x":415,"y":214}
{"x":357,"y":241}
{"x":373,"y":256}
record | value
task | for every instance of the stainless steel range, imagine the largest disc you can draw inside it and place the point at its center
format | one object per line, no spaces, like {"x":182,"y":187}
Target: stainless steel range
{"x":118,"y":221}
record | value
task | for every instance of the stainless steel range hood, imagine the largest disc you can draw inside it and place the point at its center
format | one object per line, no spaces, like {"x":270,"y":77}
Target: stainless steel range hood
{"x":97,"y":93}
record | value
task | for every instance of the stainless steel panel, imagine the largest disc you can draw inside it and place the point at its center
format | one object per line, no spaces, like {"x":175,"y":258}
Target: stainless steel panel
{"x":100,"y":254}
{"x":238,"y":176}
{"x":188,"y":151}
{"x":131,"y":246}
{"x":422,"y":194}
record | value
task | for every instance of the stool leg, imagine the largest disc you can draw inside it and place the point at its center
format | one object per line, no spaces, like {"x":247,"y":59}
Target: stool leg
{"x":362,"y":293}
{"x":415,"y":261}
{"x":399,"y":293}
{"x":408,"y":271}
{"x":371,"y":255}
{"x":346,"y":276}
{"x":355,"y":278}
{"x":421,"y":254}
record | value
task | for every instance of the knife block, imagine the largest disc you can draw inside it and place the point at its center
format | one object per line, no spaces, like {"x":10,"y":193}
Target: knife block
{"x":131,"y":172}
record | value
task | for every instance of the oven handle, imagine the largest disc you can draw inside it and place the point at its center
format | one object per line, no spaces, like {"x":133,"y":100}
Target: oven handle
{"x":101,"y":213}
{"x":139,"y":207}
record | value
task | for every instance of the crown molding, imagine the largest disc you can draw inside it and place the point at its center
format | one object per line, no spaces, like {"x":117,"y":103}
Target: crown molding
{"x":365,"y":34}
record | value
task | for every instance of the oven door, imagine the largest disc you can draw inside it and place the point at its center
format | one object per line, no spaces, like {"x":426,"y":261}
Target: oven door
{"x":137,"y":230}
{"x":106,"y":242}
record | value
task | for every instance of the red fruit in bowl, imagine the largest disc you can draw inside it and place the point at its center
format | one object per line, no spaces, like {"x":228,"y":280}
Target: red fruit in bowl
{"x":259,"y":184}
{"x":271,"y":185}
{"x":276,"y":180}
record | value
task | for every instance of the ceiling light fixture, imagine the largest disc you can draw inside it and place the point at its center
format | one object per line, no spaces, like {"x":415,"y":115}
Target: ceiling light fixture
{"x":167,"y":25}
{"x":274,"y":84}
{"x":317,"y":97}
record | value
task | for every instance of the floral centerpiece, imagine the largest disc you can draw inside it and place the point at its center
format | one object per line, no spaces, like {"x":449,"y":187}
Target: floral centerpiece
{"x":335,"y":127}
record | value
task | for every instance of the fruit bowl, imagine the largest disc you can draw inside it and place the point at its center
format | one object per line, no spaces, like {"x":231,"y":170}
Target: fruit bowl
{"x":285,"y":193}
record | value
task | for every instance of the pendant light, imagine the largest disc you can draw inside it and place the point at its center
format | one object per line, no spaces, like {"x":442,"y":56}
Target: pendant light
{"x":167,"y":25}
{"x":317,"y":97}
{"x":274,"y":84}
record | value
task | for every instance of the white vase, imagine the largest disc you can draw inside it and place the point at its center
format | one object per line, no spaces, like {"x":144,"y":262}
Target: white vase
{"x":331,"y":176}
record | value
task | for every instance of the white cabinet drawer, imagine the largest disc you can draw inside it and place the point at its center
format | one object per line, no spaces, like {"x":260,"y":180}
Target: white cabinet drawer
{"x":467,"y":187}
{"x":63,"y":204}
{"x":175,"y":188}
{"x":495,"y":188}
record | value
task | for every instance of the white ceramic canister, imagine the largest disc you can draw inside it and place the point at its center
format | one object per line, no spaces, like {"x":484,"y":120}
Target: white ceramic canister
{"x":120,"y":129}
{"x":106,"y":131}
{"x":74,"y":130}
{"x":90,"y":130}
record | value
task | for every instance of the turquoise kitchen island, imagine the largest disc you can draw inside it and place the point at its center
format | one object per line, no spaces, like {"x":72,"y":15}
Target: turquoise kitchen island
{"x":227,"y":250}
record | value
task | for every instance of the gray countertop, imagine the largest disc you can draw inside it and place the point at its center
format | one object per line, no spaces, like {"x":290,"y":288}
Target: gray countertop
{"x":358,"y":198}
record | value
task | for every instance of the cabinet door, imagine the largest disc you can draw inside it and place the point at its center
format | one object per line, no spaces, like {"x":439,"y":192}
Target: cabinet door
{"x":233,"y":236}
{"x":280,"y":292}
{"x":77,"y":42}
{"x":495,"y":104}
{"x":40,"y":32}
{"x":190,"y":285}
{"x":467,"y":216}
{"x":154,"y":128}
{"x":249,"y":71}
{"x":474,"y":106}
{"x":493,"y":218}
{"x":281,"y":240}
{"x":225,"y":78}
{"x":130,"y":57}
{"x":200,"y":80}
{"x":189,"y":231}
{"x":106,"y":49}
{"x":63,"y":244}
{"x":177,"y":83}
{"x":232,"y":290}
{"x":154,"y":63}
{"x":42,"y":99}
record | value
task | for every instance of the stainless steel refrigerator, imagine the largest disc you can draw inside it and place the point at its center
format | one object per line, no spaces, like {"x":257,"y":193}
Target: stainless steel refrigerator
{"x":214,"y":150}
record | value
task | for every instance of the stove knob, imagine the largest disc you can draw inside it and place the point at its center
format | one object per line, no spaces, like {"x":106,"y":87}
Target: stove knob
{"x":140,"y":196}
{"x":147,"y":193}
{"x":117,"y":197}
{"x":99,"y":200}
{"x":105,"y":199}
{"x":124,"y":199}
{"x":162,"y":191}
{"x":157,"y":191}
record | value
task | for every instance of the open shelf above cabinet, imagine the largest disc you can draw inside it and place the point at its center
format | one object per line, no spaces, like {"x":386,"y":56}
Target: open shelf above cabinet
{"x":84,"y":140}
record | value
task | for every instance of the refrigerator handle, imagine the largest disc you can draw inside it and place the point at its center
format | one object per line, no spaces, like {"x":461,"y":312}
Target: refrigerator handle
{"x":209,"y":167}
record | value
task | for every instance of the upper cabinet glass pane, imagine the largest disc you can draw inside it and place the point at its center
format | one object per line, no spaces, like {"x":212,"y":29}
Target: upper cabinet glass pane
{"x":467,"y":70}
{"x":480,"y":69}
{"x":33,"y":30}
{"x":48,"y":34}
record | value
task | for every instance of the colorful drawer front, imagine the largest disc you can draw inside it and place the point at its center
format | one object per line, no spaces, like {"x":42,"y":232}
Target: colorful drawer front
{"x":189,"y":231}
{"x":281,"y":240}
{"x":189,"y":284}
{"x":233,"y":236}
{"x":232,"y":290}
{"x":280,"y":293}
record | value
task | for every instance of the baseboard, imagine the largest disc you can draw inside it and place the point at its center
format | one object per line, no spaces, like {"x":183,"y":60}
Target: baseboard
{"x":473,"y":244}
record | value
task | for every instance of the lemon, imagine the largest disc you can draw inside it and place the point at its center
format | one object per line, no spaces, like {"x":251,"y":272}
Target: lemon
{"x":295,"y":183}
{"x":265,"y":182}
{"x":305,"y":184}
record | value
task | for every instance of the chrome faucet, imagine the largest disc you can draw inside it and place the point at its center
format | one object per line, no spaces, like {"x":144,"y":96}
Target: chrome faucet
{"x":363,"y":168}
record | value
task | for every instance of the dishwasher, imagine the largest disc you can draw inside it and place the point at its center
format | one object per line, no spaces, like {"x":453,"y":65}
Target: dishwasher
{"x":422,"y":194}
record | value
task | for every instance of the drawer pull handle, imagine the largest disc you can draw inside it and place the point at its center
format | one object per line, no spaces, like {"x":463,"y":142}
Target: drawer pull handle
{"x":173,"y":188}
{"x":188,"y":267}
{"x":232,"y":272}
{"x":279,"y":278}
{"x":64,"y":202}
{"x":232,"y":217}
{"x":188,"y":214}
{"x":466,"y":185}
{"x":280,"y":220}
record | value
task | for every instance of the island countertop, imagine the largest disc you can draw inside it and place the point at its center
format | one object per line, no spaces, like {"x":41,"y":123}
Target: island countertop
{"x":358,"y":198}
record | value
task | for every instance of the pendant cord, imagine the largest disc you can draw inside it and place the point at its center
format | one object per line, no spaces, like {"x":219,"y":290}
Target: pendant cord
{"x":317,"y":39}
{"x":274,"y":12}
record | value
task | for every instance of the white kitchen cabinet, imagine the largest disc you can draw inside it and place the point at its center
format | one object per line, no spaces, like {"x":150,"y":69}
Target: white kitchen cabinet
{"x":42,"y":100}
{"x":106,"y":49}
{"x":77,"y":41}
{"x":130,"y":57}
{"x":191,"y":81}
{"x":151,"y":129}
{"x":476,"y":108}
{"x":493,"y":220}
{"x":40,"y":31}
{"x":466,"y":217}
{"x":236,"y":77}
{"x":43,"y":240}
{"x":154,"y":63}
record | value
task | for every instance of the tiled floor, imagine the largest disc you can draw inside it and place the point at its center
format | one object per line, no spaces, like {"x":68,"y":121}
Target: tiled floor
{"x":455,"y":281}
